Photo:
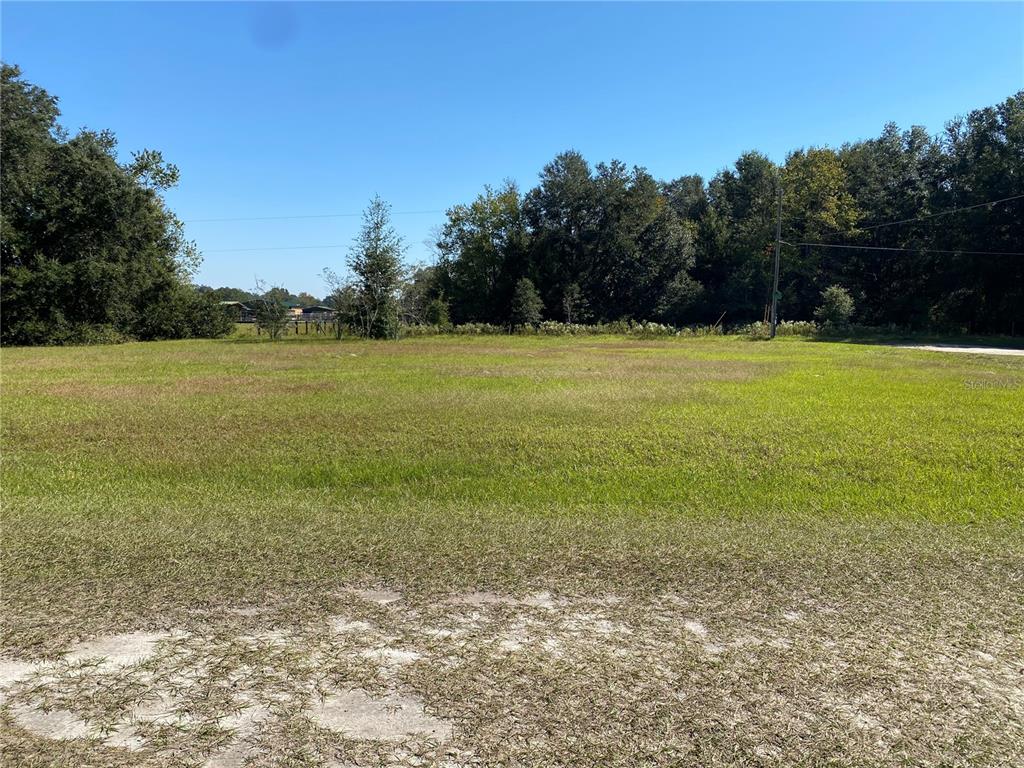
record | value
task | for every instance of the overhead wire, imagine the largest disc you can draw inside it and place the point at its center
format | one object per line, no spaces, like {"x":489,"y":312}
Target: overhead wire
{"x":915,"y":250}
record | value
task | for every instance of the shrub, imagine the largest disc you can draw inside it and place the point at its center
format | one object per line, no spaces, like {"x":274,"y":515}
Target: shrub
{"x":412,"y":330}
{"x":651,"y":330}
{"x":797,"y":328}
{"x":526,"y":305}
{"x":271,"y":316}
{"x":575,"y":305}
{"x":208,"y":319}
{"x":701,"y":330}
{"x":555,"y":328}
{"x":477,"y":329}
{"x":836,"y":307}
{"x":437,"y":313}
{"x":762,"y":330}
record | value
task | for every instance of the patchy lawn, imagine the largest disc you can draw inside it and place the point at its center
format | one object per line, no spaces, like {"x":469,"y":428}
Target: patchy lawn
{"x":483,"y":551}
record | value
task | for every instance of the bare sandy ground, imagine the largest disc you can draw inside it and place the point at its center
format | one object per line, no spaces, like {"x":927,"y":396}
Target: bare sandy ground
{"x":476,"y":676}
{"x":966,"y":350}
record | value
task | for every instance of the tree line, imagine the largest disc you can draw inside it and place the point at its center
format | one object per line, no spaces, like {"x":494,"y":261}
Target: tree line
{"x":275,"y":293}
{"x":906,"y":229}
{"x":89,"y":252}
{"x":606,"y":242}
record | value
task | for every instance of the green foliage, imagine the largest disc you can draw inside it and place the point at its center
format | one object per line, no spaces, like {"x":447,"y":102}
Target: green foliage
{"x":575,"y":305}
{"x":345,"y":301}
{"x":836,"y":307}
{"x":483,"y":250}
{"x":437,"y":313}
{"x":762,"y":330}
{"x":271,"y":314}
{"x":228,"y":294}
{"x":608,"y":231}
{"x":376,"y":261}
{"x":418,"y":290}
{"x":621,"y":244}
{"x":87,"y":243}
{"x":182,"y":313}
{"x":526,"y":305}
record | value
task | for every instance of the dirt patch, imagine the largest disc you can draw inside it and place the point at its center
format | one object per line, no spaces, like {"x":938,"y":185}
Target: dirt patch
{"x":57,"y":724}
{"x":489,"y":678}
{"x":11,"y":672}
{"x":379,"y":596}
{"x":482,"y":598}
{"x":343,"y":625}
{"x":118,"y":650}
{"x":391,"y":656}
{"x":389,"y":718}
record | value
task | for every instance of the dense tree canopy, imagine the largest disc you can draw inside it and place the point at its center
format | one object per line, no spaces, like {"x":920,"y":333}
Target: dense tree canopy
{"x":89,"y":250}
{"x":620,"y":244}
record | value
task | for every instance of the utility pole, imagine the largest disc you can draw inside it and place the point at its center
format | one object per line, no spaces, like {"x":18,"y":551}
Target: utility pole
{"x":775,"y":278}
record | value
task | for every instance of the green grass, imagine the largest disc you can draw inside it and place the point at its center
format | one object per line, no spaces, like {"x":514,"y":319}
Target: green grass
{"x":879,"y":489}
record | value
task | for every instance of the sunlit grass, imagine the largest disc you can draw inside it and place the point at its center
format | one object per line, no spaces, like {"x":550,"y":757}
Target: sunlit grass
{"x":136,"y":450}
{"x":143,"y":483}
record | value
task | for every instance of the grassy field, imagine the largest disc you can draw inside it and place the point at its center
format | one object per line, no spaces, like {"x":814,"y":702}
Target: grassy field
{"x":512,"y":551}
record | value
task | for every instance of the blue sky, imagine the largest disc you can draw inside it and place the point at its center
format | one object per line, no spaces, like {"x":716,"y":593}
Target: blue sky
{"x":310,"y":109}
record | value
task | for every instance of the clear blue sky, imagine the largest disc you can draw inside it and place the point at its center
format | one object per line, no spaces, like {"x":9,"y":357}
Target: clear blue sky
{"x":306,"y":109}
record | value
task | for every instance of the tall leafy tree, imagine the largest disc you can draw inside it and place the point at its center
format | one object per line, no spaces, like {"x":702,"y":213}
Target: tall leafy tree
{"x":484,"y":250}
{"x":562,"y":216}
{"x":375,"y":260}
{"x":817,"y":207}
{"x":894,"y":177}
{"x":733,"y":259}
{"x":89,"y":249}
{"x":984,"y":154}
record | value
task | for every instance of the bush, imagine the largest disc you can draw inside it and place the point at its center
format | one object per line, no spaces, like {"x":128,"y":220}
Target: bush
{"x":175,"y":311}
{"x":651,"y":330}
{"x":271,"y":316}
{"x":701,"y":330}
{"x":184,"y":313}
{"x":421,"y":329}
{"x":526,"y":305}
{"x":437,"y":313}
{"x":761,"y":330}
{"x":209,"y":320}
{"x":555,"y":328}
{"x":836,"y":307}
{"x":636,"y":329}
{"x":478,"y":329}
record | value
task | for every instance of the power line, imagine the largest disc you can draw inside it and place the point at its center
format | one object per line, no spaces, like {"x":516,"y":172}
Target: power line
{"x":915,"y":250}
{"x":418,"y":213}
{"x":941,"y":213}
{"x":785,"y":242}
{"x":306,"y":216}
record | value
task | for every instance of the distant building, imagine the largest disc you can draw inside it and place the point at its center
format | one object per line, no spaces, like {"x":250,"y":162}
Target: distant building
{"x":317,"y":313}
